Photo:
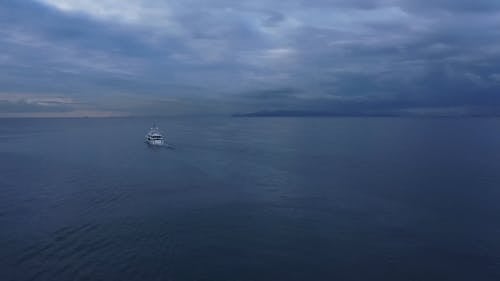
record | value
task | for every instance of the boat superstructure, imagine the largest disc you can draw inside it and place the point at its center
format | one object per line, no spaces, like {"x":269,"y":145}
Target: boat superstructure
{"x":155,"y":137}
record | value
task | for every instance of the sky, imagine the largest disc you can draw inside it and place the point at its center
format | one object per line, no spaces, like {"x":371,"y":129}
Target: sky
{"x":193,"y":57}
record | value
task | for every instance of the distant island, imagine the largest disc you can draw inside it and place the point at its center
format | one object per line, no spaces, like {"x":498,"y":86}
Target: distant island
{"x":305,"y":113}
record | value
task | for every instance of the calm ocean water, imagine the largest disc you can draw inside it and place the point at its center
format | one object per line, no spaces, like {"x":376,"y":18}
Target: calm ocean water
{"x":250,"y":199}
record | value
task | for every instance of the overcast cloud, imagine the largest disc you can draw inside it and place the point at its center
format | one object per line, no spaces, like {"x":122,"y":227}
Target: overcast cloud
{"x":133,"y":57}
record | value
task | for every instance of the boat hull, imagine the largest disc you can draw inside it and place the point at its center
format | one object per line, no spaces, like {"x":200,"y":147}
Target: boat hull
{"x":155,"y":142}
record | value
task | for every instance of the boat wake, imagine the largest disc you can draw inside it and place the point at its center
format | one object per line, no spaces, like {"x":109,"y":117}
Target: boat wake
{"x":160,"y":146}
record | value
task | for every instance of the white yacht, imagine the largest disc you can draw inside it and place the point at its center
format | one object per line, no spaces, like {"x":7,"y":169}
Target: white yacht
{"x":154,"y":137}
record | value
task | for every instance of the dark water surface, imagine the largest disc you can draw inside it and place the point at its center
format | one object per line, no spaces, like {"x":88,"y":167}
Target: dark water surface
{"x":250,"y":199}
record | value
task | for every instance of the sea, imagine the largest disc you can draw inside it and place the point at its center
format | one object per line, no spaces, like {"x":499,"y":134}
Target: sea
{"x":250,"y":199}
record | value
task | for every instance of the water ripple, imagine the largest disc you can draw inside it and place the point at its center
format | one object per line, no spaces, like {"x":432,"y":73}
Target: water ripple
{"x":88,"y":251}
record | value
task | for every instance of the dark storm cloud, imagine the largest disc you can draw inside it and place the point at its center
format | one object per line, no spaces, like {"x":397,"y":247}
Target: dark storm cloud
{"x":225,"y":56}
